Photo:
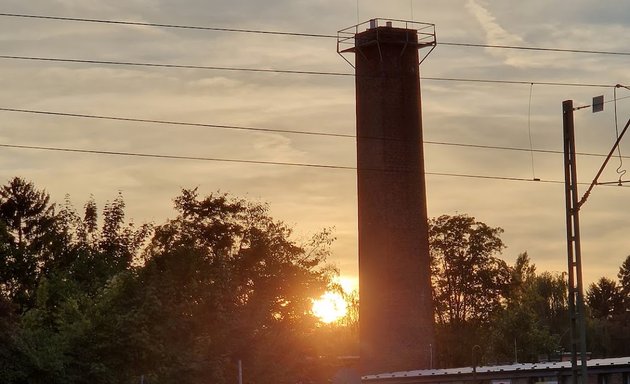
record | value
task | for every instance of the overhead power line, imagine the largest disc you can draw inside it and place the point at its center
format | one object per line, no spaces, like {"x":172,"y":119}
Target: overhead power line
{"x":167,"y":122}
{"x":216,"y":68}
{"x":261,"y":162}
{"x":159,"y":25}
{"x":272,"y":130}
{"x":519,"y":82}
{"x":517,"y":149}
{"x":539,"y":49}
{"x":178,"y":66}
{"x":172,"y":157}
{"x":300,"y":34}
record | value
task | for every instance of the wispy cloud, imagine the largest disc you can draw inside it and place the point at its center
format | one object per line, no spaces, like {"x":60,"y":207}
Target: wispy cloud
{"x":496,"y":34}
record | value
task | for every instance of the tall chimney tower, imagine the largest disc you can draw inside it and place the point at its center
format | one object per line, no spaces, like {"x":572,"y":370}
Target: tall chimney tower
{"x":396,"y":311}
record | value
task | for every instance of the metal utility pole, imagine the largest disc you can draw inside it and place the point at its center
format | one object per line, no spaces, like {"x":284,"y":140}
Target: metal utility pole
{"x":576,"y":296}
{"x":573,"y":205}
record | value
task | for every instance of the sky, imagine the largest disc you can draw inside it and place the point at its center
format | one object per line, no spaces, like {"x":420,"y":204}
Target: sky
{"x":526,"y":116}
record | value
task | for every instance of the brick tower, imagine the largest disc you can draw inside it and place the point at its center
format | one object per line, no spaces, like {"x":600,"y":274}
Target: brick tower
{"x":396,"y":311}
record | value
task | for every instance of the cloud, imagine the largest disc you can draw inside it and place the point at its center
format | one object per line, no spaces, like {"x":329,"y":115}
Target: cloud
{"x":497,"y":35}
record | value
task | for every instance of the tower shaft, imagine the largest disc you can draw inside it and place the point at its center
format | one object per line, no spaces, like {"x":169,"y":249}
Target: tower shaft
{"x":396,"y":311}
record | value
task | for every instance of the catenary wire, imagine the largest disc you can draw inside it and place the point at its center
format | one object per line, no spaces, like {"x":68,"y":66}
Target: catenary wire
{"x":261,"y":162}
{"x":297,"y":34}
{"x":167,"y":122}
{"x":159,"y":25}
{"x":504,"y":148}
{"x":529,"y":129}
{"x":540,"y":49}
{"x":520,"y":82}
{"x":271,"y":130}
{"x":620,"y":171}
{"x":291,"y":72}
{"x":172,"y":157}
{"x":216,"y":68}
{"x":178,"y":66}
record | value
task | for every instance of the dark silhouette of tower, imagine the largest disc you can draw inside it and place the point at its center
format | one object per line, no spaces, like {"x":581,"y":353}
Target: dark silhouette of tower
{"x":396,"y":311}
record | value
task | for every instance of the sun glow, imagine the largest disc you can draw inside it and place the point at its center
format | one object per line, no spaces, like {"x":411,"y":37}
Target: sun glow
{"x":330,"y":307}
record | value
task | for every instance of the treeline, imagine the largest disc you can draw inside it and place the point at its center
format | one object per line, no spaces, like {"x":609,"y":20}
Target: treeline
{"x":488,"y":312}
{"x":89,"y":299}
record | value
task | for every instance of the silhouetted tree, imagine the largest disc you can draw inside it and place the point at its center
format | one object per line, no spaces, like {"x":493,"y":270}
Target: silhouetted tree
{"x":224,"y":282}
{"x":624,"y":282}
{"x":604,"y":298}
{"x":98,"y":253}
{"x":469,"y":283}
{"x":29,"y":237}
{"x":221,"y":282}
{"x":532,"y":321}
{"x":12,"y":369}
{"x":609,"y":322}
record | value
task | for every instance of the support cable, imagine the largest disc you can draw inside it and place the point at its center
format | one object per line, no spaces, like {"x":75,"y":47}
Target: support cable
{"x":621,"y":172}
{"x":169,"y":122}
{"x":286,"y":71}
{"x":529,"y":131}
{"x":263,"y":162}
{"x":282,"y":131}
{"x":173,"y":26}
{"x":540,"y":49}
{"x":298,"y":34}
{"x":176,"y":66}
{"x":601,"y":169}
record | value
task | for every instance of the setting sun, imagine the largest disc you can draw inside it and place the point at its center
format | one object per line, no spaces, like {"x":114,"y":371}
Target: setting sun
{"x":330,"y":307}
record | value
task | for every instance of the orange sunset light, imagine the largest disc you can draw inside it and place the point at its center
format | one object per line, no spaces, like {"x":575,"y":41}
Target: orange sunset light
{"x":330,"y":307}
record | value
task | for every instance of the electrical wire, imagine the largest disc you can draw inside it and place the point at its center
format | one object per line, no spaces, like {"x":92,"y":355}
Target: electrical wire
{"x":202,"y":67}
{"x":271,"y":130}
{"x":603,"y":166}
{"x":529,"y":129}
{"x":173,"y":26}
{"x":517,"y":149}
{"x":177,"y":157}
{"x":172,"y":157}
{"x":522,"y":82}
{"x":620,"y":172}
{"x":539,"y":49}
{"x":298,"y":34}
{"x":274,"y":163}
{"x":167,"y":122}
{"x":619,"y":98}
{"x":178,"y":66}
{"x":500,"y":178}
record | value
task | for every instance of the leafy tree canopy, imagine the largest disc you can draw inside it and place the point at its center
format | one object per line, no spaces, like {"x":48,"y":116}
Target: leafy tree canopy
{"x":469,"y":280}
{"x":96,"y":299}
{"x":604,"y":298}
